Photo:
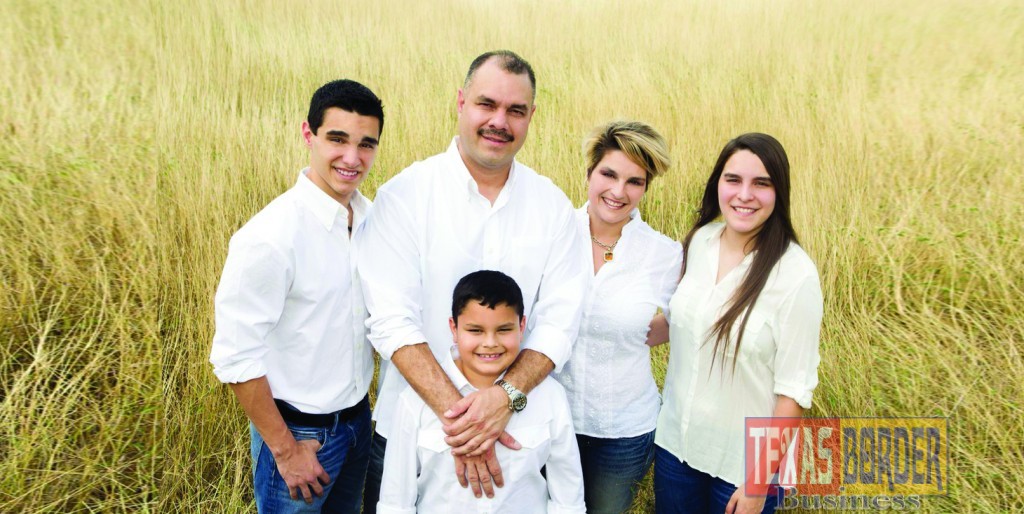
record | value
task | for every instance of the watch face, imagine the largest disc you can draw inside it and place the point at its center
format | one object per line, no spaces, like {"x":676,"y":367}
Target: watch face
{"x":519,"y":402}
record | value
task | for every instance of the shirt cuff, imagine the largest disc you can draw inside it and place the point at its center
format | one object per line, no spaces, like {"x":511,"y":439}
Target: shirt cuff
{"x":238,"y":372}
{"x":394,"y":509}
{"x":554,"y":508}
{"x":552,"y":343}
{"x":387,"y":346}
{"x":799,"y":394}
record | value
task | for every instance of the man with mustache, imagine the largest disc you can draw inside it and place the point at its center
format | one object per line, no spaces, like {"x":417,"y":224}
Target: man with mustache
{"x":472,"y":207}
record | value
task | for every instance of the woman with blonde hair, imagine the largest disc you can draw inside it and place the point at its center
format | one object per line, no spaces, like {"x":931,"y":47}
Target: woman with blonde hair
{"x":608,"y":378}
{"x":743,"y":327}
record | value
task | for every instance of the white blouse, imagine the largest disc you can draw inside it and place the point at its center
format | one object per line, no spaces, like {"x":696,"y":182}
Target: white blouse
{"x":608,"y":377}
{"x":702,"y":419}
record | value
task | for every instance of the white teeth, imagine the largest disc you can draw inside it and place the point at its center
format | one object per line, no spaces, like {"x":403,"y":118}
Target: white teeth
{"x":744,"y":210}
{"x":346,"y":173}
{"x":613,"y":203}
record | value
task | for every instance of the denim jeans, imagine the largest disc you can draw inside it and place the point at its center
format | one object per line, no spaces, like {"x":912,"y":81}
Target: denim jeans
{"x":374,"y":474}
{"x":344,"y":453}
{"x":613,"y":469}
{"x":678,"y":488}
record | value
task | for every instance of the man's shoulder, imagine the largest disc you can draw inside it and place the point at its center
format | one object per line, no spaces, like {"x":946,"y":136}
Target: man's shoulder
{"x":272,"y":225}
{"x":414,"y":175}
{"x":540,"y":184}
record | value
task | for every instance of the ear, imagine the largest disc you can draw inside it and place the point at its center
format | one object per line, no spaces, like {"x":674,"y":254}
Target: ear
{"x":522,"y":325}
{"x":460,"y":102}
{"x":453,"y":327}
{"x":307,"y":134}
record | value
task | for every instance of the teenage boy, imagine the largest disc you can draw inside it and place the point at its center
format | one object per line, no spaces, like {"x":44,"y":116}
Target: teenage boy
{"x":291,"y":340}
{"x":487,"y":325}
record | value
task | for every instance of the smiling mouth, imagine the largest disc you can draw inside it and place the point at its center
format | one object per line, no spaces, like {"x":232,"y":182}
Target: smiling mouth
{"x":489,"y":356}
{"x":347,"y":174}
{"x":744,"y":210}
{"x":612,"y":204}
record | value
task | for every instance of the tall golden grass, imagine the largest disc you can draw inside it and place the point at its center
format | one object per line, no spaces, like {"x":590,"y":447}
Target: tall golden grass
{"x":135,"y":137}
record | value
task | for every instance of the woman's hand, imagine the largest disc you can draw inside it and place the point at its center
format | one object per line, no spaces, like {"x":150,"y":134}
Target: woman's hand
{"x":740,"y":503}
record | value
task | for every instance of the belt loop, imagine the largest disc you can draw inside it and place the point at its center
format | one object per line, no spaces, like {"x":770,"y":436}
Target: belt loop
{"x":334,"y":428}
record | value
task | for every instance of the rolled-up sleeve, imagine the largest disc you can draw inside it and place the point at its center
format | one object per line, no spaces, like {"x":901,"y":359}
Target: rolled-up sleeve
{"x":797,"y":336}
{"x":556,"y":314}
{"x":248,"y":304}
{"x":389,"y":271}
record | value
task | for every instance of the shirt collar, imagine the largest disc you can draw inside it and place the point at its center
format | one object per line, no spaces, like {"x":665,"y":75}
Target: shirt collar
{"x":458,"y":379}
{"x":327,"y":210}
{"x":462,"y":172}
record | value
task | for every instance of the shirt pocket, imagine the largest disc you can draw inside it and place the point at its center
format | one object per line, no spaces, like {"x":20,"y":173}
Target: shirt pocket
{"x":758,"y":344}
{"x":432,"y":440}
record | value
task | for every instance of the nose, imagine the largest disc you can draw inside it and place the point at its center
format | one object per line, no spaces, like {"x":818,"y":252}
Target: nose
{"x":746,"y":192}
{"x":618,"y":188}
{"x":350,"y":156}
{"x":499,"y":120}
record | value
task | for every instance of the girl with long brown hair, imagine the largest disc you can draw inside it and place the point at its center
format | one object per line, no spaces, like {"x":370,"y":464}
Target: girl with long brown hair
{"x":744,"y":324}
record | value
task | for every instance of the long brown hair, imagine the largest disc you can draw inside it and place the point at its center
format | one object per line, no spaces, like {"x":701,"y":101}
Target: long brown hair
{"x":770,"y":242}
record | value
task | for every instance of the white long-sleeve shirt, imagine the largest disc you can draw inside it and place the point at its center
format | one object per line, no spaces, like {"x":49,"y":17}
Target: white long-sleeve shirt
{"x":419,"y":471}
{"x":288,"y":306}
{"x":701,"y":422}
{"x":608,"y":378}
{"x":430,"y":226}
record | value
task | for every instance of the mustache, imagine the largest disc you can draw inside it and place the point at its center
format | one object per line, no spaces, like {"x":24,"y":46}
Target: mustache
{"x":496,"y":134}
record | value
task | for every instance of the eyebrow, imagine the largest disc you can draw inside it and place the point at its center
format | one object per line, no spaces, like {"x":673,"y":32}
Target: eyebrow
{"x":733,"y":175}
{"x":343,"y":134}
{"x":485,"y":99}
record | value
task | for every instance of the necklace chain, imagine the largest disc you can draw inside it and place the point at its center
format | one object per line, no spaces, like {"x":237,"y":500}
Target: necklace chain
{"x":610,"y":248}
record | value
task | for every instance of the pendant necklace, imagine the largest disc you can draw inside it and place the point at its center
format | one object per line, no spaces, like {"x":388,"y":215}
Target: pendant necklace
{"x":608,"y":249}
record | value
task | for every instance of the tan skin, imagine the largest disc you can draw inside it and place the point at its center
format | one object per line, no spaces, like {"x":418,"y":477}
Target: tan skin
{"x":296,"y":460}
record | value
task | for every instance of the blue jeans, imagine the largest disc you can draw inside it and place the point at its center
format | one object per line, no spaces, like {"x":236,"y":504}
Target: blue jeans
{"x":374,"y":474}
{"x":678,"y":488}
{"x":344,"y":453}
{"x":613,"y":469}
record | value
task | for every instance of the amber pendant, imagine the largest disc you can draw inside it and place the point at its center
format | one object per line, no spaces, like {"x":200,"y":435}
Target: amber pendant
{"x":608,"y":256}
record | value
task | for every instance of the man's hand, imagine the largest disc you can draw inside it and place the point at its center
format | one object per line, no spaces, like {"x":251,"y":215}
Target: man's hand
{"x":743,"y":504}
{"x":301,"y":470}
{"x":479,"y":420}
{"x":482,"y":472}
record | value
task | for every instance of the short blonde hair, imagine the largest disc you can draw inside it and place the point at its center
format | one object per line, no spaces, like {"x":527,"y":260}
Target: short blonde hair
{"x":639,"y":141}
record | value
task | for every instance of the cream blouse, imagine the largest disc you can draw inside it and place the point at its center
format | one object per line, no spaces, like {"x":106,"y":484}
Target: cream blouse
{"x":702,"y":419}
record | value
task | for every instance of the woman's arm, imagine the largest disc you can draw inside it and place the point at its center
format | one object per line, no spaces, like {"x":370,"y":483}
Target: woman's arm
{"x":740,"y":503}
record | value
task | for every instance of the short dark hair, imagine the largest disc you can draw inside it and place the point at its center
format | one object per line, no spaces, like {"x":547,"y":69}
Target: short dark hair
{"x":490,"y":289}
{"x":347,"y":95}
{"x":509,"y":61}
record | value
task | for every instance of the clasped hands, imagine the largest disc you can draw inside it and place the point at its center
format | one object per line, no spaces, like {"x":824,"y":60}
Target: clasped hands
{"x":472,"y":426}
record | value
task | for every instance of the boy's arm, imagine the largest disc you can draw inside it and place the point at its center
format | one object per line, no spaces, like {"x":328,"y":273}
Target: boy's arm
{"x":399,"y":488}
{"x":564,"y":474}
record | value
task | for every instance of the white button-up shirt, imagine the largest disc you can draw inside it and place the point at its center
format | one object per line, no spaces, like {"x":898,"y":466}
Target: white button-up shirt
{"x":608,"y":378}
{"x":419,"y":471}
{"x":702,"y":419}
{"x":430,"y":226}
{"x":288,"y":306}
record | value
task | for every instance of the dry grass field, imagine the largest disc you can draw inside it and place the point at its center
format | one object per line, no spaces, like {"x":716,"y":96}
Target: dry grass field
{"x":135,"y":137}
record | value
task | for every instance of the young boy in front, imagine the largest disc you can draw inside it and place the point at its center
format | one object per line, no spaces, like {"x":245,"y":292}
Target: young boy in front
{"x":487,"y":325}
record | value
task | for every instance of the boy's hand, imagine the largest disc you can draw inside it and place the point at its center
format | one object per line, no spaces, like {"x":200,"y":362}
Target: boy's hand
{"x":482,"y":417}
